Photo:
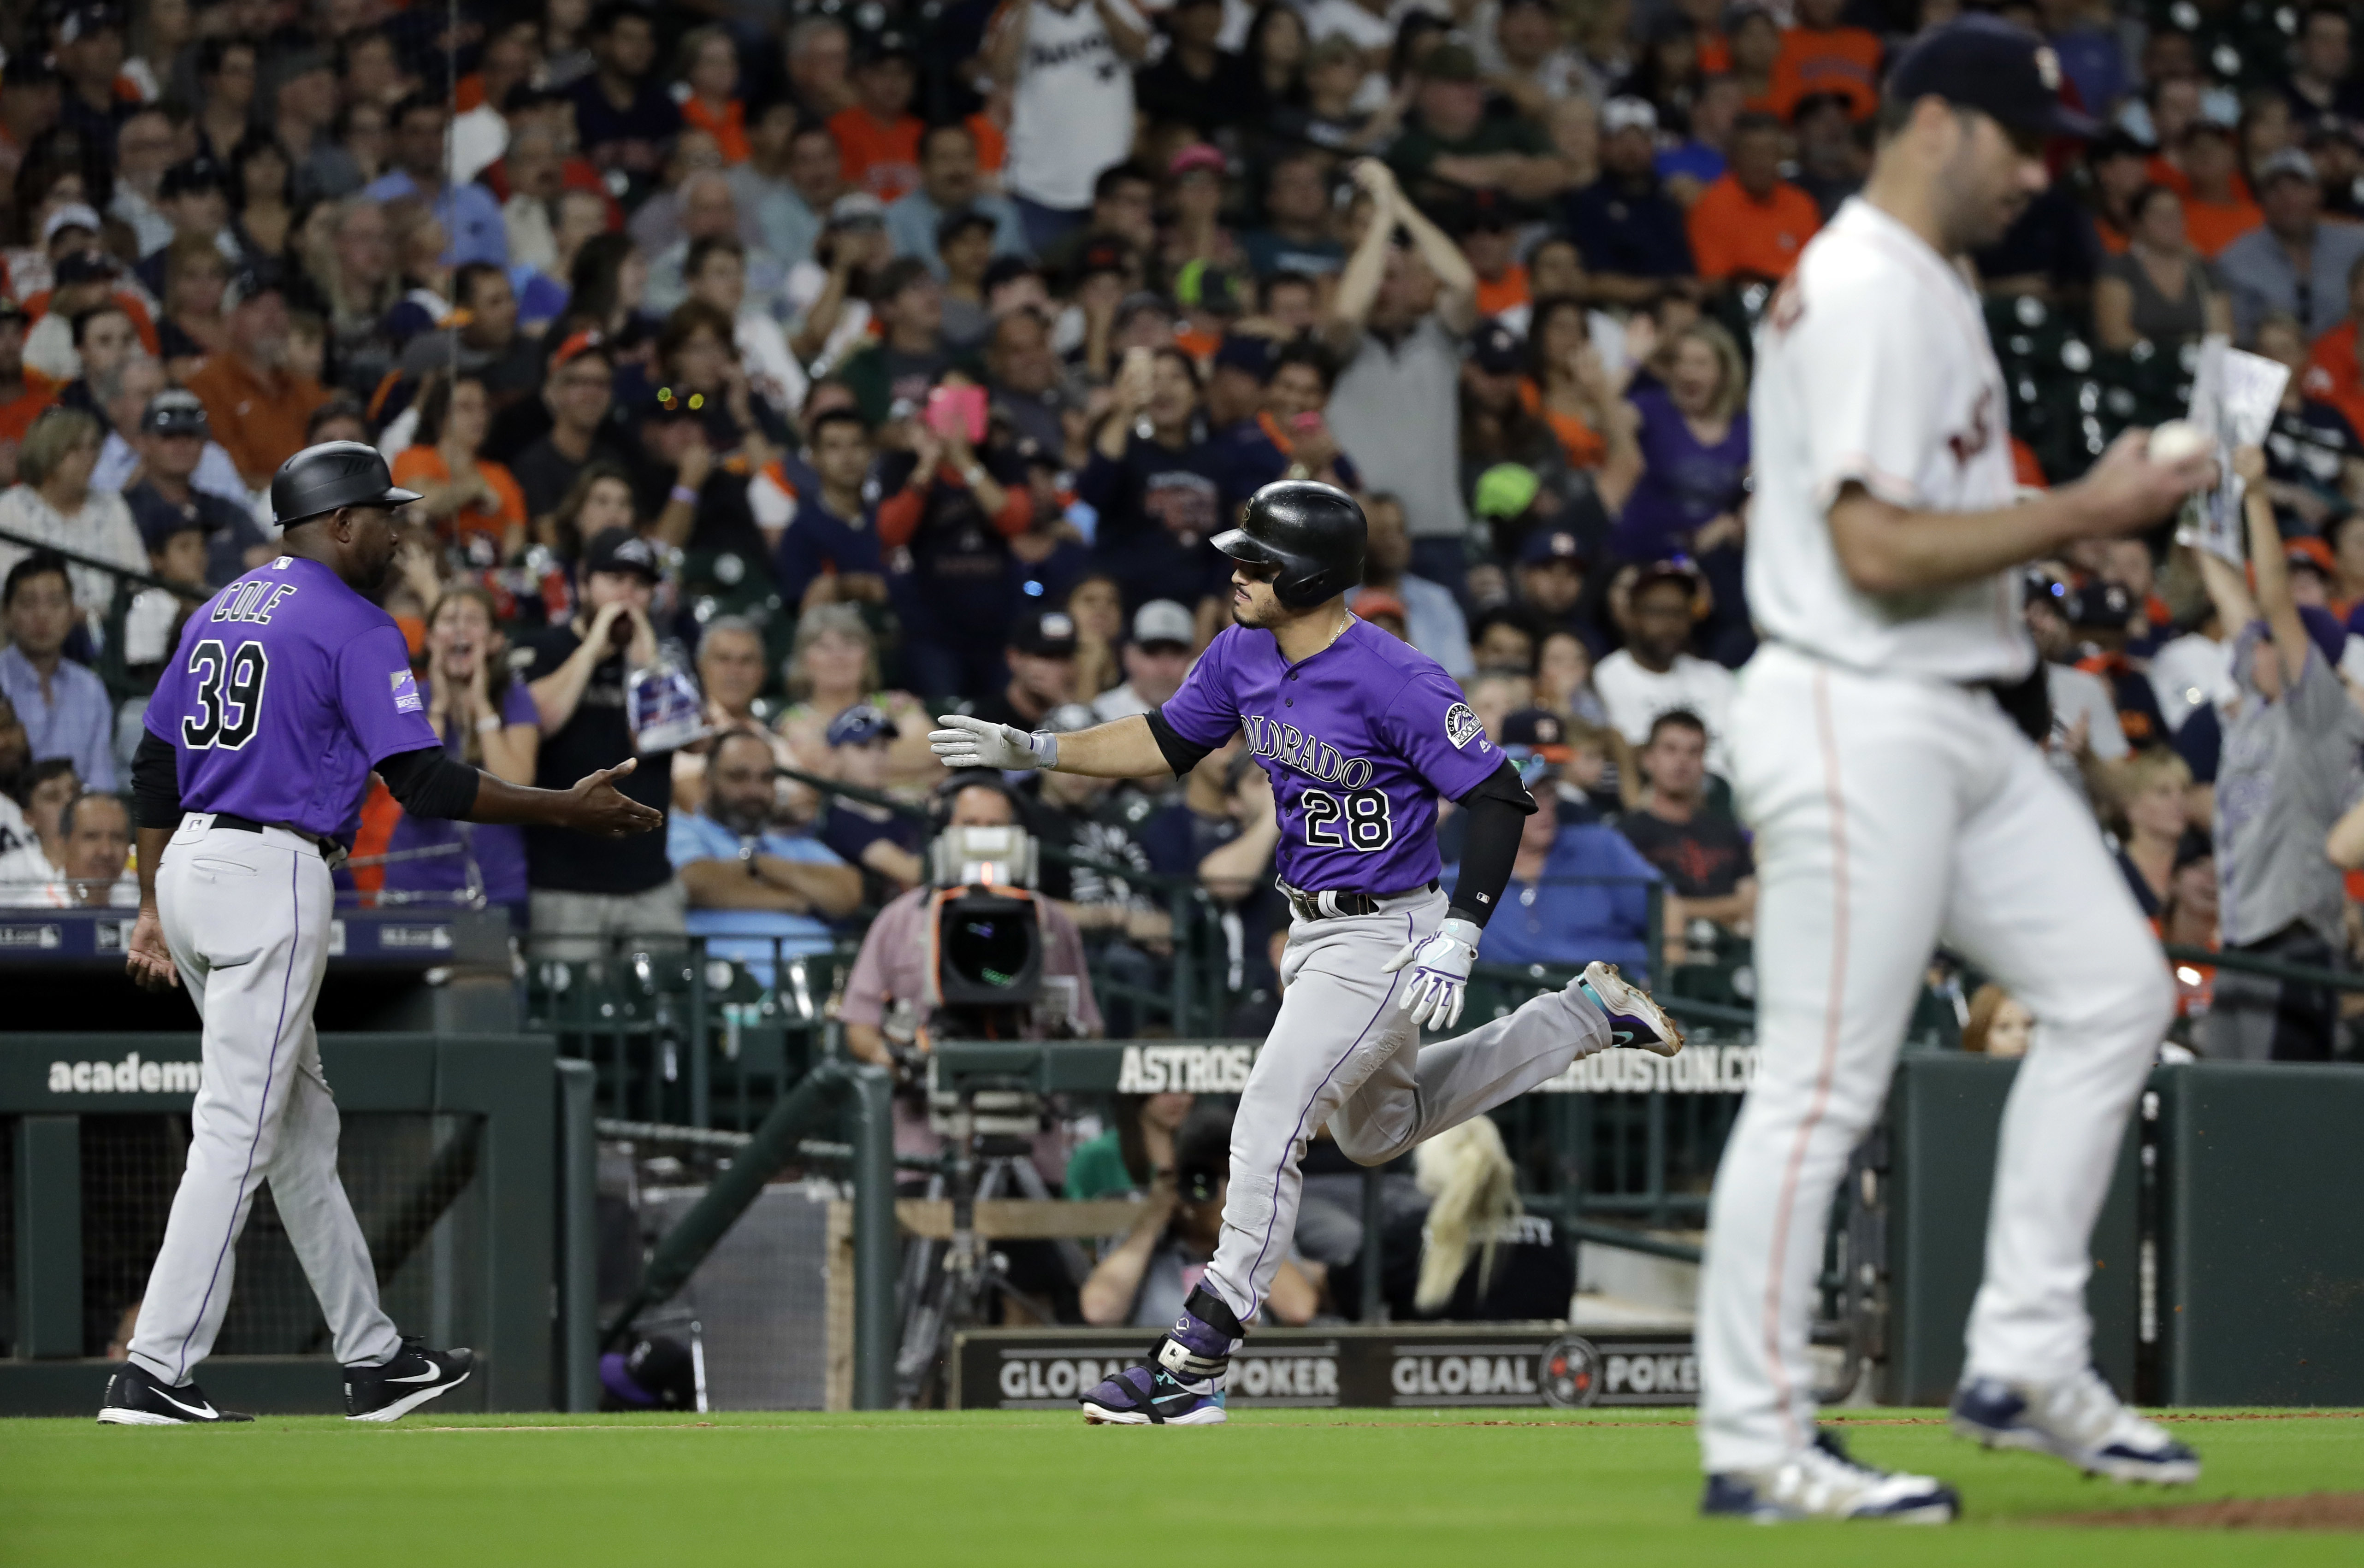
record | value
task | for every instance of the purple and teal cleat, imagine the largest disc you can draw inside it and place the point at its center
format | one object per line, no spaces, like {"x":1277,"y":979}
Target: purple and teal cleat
{"x":1633,"y":1018}
{"x":1151,"y":1395}
{"x":1181,"y":1385}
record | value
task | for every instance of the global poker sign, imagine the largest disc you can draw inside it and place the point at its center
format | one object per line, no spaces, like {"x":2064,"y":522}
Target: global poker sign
{"x":1402,"y":1366}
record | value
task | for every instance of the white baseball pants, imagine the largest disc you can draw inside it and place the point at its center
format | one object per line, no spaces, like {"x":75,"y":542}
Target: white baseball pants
{"x":247,"y":918}
{"x":1343,"y":1054}
{"x":1889,"y":811}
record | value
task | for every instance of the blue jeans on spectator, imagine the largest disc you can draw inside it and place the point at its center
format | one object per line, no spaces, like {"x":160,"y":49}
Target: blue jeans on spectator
{"x":1045,"y":226}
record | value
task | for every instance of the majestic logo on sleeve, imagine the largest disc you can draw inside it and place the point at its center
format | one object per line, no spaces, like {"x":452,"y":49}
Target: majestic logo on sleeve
{"x":405,"y":691}
{"x":1305,"y":751}
{"x":1461,"y":726}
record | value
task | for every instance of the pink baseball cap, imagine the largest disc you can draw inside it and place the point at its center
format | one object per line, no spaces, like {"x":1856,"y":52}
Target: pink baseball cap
{"x":1198,"y":155}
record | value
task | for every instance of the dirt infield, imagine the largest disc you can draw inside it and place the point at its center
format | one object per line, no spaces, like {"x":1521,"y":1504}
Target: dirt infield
{"x":2311,"y":1511}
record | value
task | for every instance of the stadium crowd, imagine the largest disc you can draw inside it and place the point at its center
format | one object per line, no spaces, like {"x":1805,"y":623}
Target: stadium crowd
{"x":822,"y":365}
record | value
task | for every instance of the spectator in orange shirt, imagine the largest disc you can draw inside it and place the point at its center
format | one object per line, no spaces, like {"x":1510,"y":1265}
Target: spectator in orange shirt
{"x":2217,"y":209}
{"x":22,"y":396}
{"x":1753,"y":37}
{"x":710,"y":69}
{"x":2120,"y":167}
{"x":2334,"y":373}
{"x":1752,"y":221}
{"x":469,"y":497}
{"x":1491,"y":240}
{"x":880,"y":136}
{"x":1818,"y":55}
{"x":256,"y":407}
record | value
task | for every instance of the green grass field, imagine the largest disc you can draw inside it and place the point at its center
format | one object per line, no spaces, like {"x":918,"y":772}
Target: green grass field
{"x":1360,"y":1487}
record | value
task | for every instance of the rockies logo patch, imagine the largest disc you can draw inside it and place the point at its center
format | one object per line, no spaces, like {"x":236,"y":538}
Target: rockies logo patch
{"x":1461,"y":725}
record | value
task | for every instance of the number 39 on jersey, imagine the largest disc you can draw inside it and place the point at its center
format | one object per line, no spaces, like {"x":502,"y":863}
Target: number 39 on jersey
{"x":229,"y":694}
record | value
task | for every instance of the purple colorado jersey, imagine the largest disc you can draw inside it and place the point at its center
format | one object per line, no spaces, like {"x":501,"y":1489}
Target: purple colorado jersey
{"x":1360,"y":740}
{"x":287,"y":689}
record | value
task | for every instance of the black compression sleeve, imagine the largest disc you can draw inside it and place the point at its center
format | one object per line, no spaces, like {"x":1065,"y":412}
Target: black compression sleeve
{"x":430,"y":783}
{"x":1180,"y":755}
{"x":1498,"y":809}
{"x":156,"y":782}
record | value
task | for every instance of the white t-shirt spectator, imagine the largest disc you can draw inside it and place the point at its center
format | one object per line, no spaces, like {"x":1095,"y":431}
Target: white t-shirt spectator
{"x":23,"y":868}
{"x":1635,"y":697}
{"x":1071,"y":116}
{"x":2189,"y":670}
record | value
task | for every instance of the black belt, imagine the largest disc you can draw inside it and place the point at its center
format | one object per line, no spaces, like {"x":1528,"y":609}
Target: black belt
{"x":1331,"y":906}
{"x":329,"y":849}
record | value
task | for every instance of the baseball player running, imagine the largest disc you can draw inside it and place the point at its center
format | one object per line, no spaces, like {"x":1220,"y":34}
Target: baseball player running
{"x":1361,"y":734}
{"x":288,"y":687}
{"x":1881,"y":752}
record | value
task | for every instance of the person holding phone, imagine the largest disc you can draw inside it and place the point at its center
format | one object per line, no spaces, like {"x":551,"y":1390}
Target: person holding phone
{"x":578,"y":674}
{"x":1157,"y":483}
{"x":955,"y":500}
{"x":1289,"y":437}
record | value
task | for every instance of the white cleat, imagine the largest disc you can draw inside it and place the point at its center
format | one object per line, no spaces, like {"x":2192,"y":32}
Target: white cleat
{"x":1633,"y":1018}
{"x":2079,"y":1419}
{"x":1822,"y":1483}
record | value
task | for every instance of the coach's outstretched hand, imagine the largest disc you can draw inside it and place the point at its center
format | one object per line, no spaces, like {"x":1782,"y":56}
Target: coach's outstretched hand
{"x":595,"y":805}
{"x":151,"y":963}
{"x":965,"y":742}
{"x":1440,"y":973}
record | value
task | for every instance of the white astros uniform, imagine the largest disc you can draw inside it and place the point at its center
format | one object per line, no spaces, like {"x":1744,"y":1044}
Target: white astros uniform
{"x":1895,"y":804}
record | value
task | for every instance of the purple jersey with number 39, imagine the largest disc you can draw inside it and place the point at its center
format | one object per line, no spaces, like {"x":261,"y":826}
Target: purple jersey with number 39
{"x":287,"y":689}
{"x":1360,"y":740}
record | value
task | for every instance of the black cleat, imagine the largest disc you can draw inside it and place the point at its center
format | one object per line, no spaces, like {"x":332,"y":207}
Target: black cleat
{"x":138,"y":1397}
{"x":414,"y":1376}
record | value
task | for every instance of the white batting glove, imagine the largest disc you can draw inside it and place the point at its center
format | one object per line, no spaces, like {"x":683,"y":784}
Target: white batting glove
{"x":965,"y":742}
{"x":1440,"y":973}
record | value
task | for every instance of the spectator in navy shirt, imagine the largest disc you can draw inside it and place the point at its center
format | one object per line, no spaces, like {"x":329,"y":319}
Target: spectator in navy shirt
{"x":1297,"y":236}
{"x":956,"y":509}
{"x":1159,"y":495}
{"x":1630,"y":230}
{"x":1694,"y":440}
{"x":1710,"y":873}
{"x":883,"y":842}
{"x":623,"y":119}
{"x":829,"y":551}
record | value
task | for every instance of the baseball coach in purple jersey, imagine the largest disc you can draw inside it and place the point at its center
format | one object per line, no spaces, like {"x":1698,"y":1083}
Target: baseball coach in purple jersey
{"x":1361,"y":734}
{"x":289,"y":687}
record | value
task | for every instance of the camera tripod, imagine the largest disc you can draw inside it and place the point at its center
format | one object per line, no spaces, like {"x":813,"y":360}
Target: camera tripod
{"x":947,"y":1286}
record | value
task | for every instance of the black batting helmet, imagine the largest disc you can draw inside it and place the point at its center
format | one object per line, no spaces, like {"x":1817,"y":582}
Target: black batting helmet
{"x":321,"y":479}
{"x":1314,"y":533}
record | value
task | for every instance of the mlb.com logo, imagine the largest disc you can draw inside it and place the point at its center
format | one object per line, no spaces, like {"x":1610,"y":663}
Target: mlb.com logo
{"x":129,"y":1076}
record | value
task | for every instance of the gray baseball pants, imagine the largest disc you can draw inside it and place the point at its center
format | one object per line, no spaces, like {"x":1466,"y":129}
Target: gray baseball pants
{"x":247,"y":918}
{"x":1344,"y":1055}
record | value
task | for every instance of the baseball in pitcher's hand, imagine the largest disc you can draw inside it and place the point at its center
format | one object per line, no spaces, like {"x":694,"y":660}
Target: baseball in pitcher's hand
{"x":964,"y":742}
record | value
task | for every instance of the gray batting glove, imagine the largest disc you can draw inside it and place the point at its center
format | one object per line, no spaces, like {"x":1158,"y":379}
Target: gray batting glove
{"x":1440,"y":973}
{"x":964,"y":742}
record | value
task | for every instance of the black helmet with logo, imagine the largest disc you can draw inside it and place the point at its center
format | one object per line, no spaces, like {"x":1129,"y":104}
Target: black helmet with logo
{"x":1313,"y":534}
{"x":321,"y":479}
